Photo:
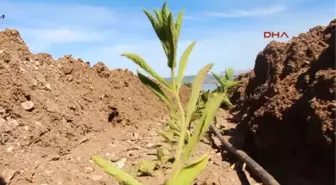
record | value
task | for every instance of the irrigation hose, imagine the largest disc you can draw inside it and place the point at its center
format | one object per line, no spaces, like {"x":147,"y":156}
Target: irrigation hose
{"x":265,"y":177}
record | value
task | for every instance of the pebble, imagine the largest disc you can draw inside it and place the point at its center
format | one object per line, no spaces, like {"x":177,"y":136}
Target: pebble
{"x":88,"y":169}
{"x":28,"y":105}
{"x":149,"y":145}
{"x":121,"y":163}
{"x":10,"y":149}
{"x":38,"y":123}
{"x":47,"y":86}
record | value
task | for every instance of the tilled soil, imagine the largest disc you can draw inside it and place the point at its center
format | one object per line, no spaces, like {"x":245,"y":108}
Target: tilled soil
{"x":286,"y":108}
{"x":54,"y":114}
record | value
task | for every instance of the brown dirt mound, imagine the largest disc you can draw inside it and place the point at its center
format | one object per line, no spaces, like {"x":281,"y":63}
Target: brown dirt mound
{"x":64,"y":99}
{"x":286,"y":108}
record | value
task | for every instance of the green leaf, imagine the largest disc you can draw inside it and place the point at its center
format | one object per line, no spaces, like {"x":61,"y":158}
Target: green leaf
{"x":143,"y":64}
{"x":165,"y":12}
{"x":229,"y":73}
{"x":218,"y":78}
{"x":204,"y":123}
{"x":171,"y":38}
{"x":232,"y":83}
{"x":183,"y":64}
{"x":227,"y":101}
{"x":156,"y":25}
{"x":190,"y":172}
{"x":186,"y":138}
{"x":114,"y":171}
{"x":159,"y":16}
{"x":156,"y":88}
{"x":168,"y":135}
{"x":178,"y":24}
{"x":195,"y":91}
{"x":173,"y":125}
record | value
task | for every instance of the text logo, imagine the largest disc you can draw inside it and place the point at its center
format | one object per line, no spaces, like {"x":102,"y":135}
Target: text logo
{"x":268,"y":34}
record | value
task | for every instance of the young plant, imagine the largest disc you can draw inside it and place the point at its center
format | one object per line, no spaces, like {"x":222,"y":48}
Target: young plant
{"x":184,"y":171}
{"x":226,"y":83}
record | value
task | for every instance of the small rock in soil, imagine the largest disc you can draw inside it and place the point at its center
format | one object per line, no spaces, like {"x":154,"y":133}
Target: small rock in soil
{"x":121,"y":163}
{"x":10,"y":149}
{"x":28,"y":105}
{"x":88,"y":169}
{"x":149,"y":145}
{"x":47,"y":86}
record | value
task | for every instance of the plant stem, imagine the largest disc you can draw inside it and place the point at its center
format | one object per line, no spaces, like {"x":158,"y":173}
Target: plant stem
{"x":178,"y":160}
{"x":178,"y":164}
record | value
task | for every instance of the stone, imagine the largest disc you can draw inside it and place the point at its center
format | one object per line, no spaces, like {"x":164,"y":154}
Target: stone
{"x":48,"y":87}
{"x":121,"y":163}
{"x":28,"y":105}
{"x":10,"y":149}
{"x":88,"y":169}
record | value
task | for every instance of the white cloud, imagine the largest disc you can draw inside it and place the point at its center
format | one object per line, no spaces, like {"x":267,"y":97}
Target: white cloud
{"x":43,"y":25}
{"x":248,"y":13}
{"x":41,"y":39}
{"x":62,"y":35}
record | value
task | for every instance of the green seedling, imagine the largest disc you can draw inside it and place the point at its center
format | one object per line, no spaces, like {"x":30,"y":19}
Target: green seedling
{"x":182,"y":141}
{"x":226,"y":83}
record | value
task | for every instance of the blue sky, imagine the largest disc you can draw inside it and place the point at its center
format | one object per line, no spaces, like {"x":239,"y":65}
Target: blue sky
{"x":228,"y":33}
